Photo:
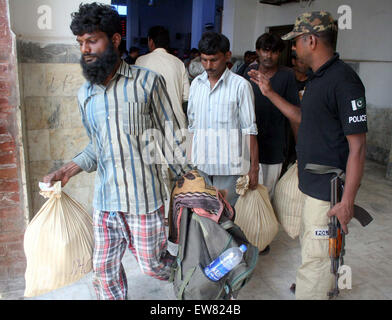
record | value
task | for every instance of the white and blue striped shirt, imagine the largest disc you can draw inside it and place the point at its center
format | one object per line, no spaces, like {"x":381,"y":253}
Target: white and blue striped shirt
{"x":219,"y":119}
{"x":121,"y":120}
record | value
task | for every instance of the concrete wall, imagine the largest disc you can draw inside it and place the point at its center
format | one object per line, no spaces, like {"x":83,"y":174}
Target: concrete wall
{"x":26,"y":19}
{"x":368,"y":45}
{"x":238,"y":24}
{"x":50,"y":76}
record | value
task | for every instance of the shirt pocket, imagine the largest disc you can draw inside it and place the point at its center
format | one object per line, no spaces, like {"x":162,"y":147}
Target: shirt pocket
{"x":136,"y":118}
{"x":227,"y":115}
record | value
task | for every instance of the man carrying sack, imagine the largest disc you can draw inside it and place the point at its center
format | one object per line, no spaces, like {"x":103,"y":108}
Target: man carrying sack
{"x":118,"y":104}
{"x":332,"y":132}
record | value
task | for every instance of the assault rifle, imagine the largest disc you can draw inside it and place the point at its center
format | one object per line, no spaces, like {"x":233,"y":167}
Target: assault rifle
{"x":336,"y":235}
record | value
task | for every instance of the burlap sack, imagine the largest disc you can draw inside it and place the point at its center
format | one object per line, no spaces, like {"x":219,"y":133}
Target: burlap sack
{"x":255,"y":215}
{"x":288,"y":202}
{"x":58,"y":244}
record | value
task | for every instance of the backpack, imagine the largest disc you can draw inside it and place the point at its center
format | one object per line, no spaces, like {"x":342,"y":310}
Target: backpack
{"x":201,"y":223}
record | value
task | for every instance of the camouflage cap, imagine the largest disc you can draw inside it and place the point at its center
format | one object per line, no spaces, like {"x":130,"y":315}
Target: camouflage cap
{"x":311,"y":22}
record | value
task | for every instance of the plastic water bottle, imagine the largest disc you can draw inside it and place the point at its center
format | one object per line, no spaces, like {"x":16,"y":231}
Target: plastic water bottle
{"x":224,"y":263}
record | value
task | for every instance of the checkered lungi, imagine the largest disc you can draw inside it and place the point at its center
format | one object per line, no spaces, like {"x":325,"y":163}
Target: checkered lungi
{"x":143,"y":234}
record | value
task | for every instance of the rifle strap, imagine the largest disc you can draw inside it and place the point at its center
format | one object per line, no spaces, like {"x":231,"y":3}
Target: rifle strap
{"x":321,"y":169}
{"x":359,"y":213}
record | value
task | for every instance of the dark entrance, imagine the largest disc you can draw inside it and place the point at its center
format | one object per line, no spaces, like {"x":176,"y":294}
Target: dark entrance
{"x":285,"y":57}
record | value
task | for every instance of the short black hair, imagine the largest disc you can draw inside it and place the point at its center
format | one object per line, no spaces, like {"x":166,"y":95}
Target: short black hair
{"x":194,"y":50}
{"x":160,"y":36}
{"x":133,"y":49}
{"x":212,"y":43}
{"x":248,"y":53}
{"x":270,"y":42}
{"x":328,"y":37}
{"x":93,"y":17}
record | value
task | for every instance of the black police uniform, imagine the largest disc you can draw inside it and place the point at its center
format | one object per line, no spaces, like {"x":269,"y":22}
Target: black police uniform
{"x":333,"y":107}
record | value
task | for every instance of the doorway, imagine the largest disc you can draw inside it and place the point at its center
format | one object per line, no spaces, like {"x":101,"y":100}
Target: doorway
{"x":185,"y":20}
{"x":285,"y":56}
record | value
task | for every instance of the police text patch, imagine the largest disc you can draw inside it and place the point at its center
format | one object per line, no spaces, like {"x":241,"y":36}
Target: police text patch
{"x":354,"y":119}
{"x":321,"y":233}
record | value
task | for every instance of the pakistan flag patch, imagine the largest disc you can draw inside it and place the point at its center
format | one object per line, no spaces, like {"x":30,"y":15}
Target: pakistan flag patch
{"x":358,"y":104}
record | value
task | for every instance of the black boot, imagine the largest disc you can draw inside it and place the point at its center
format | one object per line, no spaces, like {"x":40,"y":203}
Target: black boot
{"x":292,"y":288}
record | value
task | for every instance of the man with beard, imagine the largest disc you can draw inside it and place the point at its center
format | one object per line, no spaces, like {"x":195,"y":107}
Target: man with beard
{"x":332,"y":132}
{"x":119,"y":104}
{"x":271,"y":123}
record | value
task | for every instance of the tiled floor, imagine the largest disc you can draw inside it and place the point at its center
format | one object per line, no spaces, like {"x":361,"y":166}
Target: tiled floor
{"x":368,"y":254}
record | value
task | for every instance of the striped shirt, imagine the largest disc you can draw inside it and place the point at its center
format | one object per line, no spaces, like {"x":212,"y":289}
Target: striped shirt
{"x":123,"y":121}
{"x":220,"y":119}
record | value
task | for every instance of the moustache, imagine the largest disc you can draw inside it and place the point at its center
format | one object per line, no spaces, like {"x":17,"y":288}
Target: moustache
{"x":92,"y":55}
{"x":210,"y":70}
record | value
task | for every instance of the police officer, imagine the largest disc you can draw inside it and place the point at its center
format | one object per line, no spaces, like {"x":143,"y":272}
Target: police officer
{"x":332,"y":131}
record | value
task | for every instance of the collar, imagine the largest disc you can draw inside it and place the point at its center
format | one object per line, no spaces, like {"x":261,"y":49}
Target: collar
{"x":124,"y":69}
{"x":320,"y":71}
{"x":160,"y":50}
{"x":223,"y":77}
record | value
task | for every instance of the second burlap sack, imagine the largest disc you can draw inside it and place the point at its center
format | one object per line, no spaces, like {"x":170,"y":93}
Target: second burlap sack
{"x":255,"y":214}
{"x":288,"y":202}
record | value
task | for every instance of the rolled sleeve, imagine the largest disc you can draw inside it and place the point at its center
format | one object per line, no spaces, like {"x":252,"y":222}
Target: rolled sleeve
{"x":250,"y":131}
{"x":247,"y":110}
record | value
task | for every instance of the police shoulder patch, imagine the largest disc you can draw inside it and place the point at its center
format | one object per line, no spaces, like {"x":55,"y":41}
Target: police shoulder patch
{"x":358,"y":104}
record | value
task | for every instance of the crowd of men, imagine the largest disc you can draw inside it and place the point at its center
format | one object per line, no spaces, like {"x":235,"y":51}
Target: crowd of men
{"x":236,"y":124}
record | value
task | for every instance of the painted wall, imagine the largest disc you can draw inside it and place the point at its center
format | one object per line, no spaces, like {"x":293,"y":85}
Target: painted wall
{"x":49,"y":78}
{"x":27,"y":16}
{"x":239,"y":21}
{"x":369,"y":21}
{"x":368,"y":44}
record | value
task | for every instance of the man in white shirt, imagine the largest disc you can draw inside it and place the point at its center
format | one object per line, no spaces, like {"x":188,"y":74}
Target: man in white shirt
{"x":170,"y":67}
{"x":222,"y":120}
{"x":177,"y":83}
